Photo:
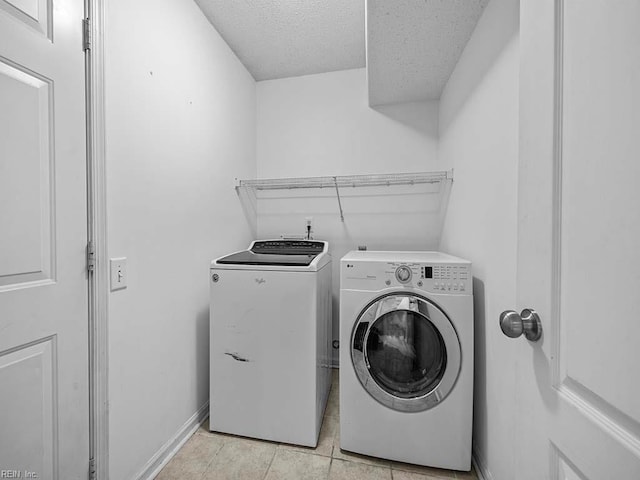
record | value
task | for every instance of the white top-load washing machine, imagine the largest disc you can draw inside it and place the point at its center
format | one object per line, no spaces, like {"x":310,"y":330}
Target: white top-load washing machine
{"x":406,"y":357}
{"x":270,"y":328}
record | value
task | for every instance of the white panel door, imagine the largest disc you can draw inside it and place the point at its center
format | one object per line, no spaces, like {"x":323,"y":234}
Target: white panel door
{"x":43,"y":233}
{"x":578,"y":390}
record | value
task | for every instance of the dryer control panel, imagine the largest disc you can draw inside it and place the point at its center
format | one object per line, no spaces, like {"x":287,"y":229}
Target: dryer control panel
{"x":443,"y":278}
{"x":450,"y":278}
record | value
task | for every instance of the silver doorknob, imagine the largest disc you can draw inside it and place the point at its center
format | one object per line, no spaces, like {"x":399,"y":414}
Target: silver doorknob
{"x":514,"y":325}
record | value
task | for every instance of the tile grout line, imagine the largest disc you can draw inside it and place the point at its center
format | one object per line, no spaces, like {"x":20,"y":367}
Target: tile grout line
{"x":303,"y":451}
{"x":212,"y":459}
{"x":275,"y":450}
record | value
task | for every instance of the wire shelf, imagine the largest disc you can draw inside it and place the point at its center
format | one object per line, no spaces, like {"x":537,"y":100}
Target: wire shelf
{"x":344,"y":181}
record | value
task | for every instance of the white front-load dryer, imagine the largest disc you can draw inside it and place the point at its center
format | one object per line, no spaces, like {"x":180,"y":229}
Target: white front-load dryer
{"x":406,"y":357}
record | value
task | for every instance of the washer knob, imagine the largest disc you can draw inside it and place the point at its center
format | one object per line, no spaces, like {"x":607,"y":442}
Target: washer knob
{"x":403,"y":274}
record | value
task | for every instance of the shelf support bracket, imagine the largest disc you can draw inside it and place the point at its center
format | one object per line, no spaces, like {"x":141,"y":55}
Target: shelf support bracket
{"x":335,"y":182}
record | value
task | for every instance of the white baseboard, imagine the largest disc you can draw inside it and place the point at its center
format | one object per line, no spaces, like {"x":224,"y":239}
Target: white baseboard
{"x":480,"y":465}
{"x":169,"y":449}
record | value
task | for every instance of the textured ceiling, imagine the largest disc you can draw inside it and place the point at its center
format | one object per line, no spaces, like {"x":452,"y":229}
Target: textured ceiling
{"x":414,"y":45}
{"x":287,"y":38}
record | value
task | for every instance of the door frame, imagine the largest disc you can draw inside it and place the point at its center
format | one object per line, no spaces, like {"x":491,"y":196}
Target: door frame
{"x":97,"y":235}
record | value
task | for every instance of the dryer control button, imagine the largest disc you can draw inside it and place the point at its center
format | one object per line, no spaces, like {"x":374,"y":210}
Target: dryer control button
{"x":403,"y":274}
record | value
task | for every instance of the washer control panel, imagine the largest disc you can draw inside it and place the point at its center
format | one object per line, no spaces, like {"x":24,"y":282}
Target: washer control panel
{"x":449,"y":278}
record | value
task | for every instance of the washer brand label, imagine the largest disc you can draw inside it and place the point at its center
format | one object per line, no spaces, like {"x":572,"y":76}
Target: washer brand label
{"x":260,"y":281}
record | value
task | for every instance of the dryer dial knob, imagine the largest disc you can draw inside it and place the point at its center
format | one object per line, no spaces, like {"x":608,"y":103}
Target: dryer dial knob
{"x":403,"y":274}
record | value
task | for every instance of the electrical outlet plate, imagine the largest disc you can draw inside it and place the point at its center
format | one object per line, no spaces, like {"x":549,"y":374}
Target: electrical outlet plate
{"x":118,"y":273}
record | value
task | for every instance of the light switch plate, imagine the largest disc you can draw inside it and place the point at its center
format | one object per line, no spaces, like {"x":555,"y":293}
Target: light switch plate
{"x":118,"y":273}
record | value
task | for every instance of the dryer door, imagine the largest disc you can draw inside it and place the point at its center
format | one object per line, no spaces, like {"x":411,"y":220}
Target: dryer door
{"x":406,"y":352}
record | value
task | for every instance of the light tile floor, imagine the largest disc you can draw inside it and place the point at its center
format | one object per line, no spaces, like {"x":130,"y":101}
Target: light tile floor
{"x":213,"y":456}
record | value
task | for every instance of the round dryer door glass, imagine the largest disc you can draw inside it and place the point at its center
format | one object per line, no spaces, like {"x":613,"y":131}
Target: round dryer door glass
{"x":405,"y":352}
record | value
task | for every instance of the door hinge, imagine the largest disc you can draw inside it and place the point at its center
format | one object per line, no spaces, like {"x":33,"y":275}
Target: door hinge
{"x":92,"y":469}
{"x":86,"y":34}
{"x":91,"y":256}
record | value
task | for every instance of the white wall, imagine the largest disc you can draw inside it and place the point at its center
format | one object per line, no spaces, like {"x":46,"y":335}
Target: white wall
{"x":322,"y":125}
{"x":180,"y":127}
{"x":479,"y":139}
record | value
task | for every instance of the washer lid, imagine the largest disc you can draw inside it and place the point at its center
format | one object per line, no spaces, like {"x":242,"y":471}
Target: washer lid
{"x":405,"y":352}
{"x":248,"y":257}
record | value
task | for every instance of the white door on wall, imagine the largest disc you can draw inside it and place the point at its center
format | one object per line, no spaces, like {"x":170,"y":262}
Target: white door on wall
{"x":578,"y":388}
{"x":43,"y":233}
